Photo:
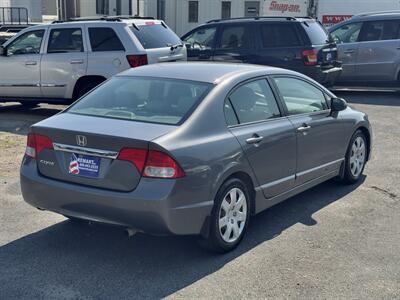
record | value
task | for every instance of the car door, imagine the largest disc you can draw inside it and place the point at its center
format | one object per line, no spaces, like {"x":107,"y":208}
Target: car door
{"x":267,"y":138}
{"x":20,"y":65}
{"x":378,"y":52}
{"x":65,"y":61}
{"x":280,"y":45}
{"x":235,"y":43}
{"x":200,"y":43}
{"x":320,"y":138}
{"x":346,"y":38}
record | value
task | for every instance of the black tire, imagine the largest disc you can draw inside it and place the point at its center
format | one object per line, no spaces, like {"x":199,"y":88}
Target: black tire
{"x":28,"y":104}
{"x":85,"y":88}
{"x":215,"y":242}
{"x":348,"y":176}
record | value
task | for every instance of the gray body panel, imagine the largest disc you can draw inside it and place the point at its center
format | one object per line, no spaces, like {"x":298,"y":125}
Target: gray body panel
{"x":207,"y":149}
{"x":375,"y":61}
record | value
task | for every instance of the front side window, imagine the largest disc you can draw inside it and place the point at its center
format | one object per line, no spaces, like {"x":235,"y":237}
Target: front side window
{"x":253,"y":101}
{"x":104,"y":39}
{"x":379,"y":31}
{"x":279,"y":35}
{"x":347,"y":33}
{"x":28,"y":43}
{"x":300,"y":96}
{"x":145,"y":99}
{"x":152,"y":35}
{"x":235,"y":37}
{"x":202,"y":39}
{"x":65,"y":41}
{"x":193,"y":11}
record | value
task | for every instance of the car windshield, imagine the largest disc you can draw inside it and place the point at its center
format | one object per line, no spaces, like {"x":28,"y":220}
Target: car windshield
{"x":145,"y":99}
{"x":155,"y":36}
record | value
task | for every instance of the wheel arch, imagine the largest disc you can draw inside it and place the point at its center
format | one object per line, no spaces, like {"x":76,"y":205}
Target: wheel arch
{"x":367,"y":135}
{"x":84,"y":80}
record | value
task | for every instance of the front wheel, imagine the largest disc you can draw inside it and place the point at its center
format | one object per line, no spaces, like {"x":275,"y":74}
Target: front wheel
{"x":230,"y":217}
{"x":356,"y":158}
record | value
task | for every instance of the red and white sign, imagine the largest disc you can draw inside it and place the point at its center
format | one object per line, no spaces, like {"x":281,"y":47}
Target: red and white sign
{"x":289,"y":8}
{"x":330,"y":20}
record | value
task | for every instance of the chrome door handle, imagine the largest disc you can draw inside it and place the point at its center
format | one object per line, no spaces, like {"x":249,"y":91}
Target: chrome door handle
{"x":254,"y":140}
{"x":350,"y":51}
{"x":30,"y":63}
{"x":303,"y":128}
{"x":77,"y":62}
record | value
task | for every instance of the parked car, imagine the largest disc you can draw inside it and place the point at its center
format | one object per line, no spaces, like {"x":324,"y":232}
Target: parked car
{"x":192,"y":148}
{"x":369,"y":47}
{"x":299,"y":44}
{"x":62,"y":61}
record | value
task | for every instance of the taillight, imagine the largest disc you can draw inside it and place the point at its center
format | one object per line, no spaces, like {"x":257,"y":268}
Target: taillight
{"x":310,"y":57}
{"x":152,"y":163}
{"x":36,"y":143}
{"x":137,"y":60}
{"x":161,"y":165}
{"x":135,"y":156}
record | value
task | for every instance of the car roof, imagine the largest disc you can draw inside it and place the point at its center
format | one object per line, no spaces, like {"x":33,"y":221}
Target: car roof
{"x":210,"y":72}
{"x":109,"y":20}
{"x":261,"y":19}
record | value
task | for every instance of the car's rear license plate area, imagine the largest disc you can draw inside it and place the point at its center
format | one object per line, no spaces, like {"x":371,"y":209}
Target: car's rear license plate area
{"x":84,"y":165}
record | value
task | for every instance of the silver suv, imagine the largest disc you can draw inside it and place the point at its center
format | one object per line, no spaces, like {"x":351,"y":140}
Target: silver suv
{"x":62,"y":61}
{"x":369,"y":47}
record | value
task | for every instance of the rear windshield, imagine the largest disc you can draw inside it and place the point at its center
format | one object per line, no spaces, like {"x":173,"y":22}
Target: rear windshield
{"x":315,"y":32}
{"x":155,"y":36}
{"x":145,"y":99}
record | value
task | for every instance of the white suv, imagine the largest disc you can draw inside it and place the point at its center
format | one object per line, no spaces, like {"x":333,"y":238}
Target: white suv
{"x":62,"y":61}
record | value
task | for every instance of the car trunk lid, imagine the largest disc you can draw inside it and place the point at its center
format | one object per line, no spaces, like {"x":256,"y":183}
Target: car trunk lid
{"x":86,"y":149}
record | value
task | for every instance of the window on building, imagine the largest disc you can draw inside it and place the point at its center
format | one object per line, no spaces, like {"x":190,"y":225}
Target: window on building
{"x":193,"y":11}
{"x":104,"y":39}
{"x":102,"y":7}
{"x":65,"y":40}
{"x":161,"y":9}
{"x":226,"y":9}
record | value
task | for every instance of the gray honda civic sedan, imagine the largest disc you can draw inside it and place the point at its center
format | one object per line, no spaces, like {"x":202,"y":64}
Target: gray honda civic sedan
{"x":192,"y":149}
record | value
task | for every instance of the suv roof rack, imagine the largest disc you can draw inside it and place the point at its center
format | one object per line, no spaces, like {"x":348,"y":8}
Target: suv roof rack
{"x":366,"y":14}
{"x":118,"y":18}
{"x":255,"y":18}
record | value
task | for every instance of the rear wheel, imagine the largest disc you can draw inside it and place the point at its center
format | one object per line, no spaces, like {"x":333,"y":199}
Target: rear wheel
{"x":356,"y":157}
{"x":85,"y":87}
{"x":28,"y":104}
{"x":230,"y":217}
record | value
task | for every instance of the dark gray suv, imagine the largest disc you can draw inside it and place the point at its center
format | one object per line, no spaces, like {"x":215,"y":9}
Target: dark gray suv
{"x":192,"y":148}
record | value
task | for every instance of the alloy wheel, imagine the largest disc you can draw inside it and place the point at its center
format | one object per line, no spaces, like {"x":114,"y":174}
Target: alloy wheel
{"x":357,"y":156}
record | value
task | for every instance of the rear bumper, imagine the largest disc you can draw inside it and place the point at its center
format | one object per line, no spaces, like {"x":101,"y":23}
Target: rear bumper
{"x":156,"y":206}
{"x":325,"y":76}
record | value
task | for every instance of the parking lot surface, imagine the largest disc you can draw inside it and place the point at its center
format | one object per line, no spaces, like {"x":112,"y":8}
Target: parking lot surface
{"x":331,"y":242}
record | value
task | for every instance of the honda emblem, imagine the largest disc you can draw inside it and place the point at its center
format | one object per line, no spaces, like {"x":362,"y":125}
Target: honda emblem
{"x":81,"y":140}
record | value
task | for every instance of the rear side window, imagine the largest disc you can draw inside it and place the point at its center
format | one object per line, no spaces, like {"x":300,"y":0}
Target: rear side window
{"x":65,"y":40}
{"x":155,"y":36}
{"x":145,"y":99}
{"x":300,"y":96}
{"x":104,"y":39}
{"x":279,"y":35}
{"x":235,"y":37}
{"x":379,"y":31}
{"x":253,"y":101}
{"x":316,"y":33}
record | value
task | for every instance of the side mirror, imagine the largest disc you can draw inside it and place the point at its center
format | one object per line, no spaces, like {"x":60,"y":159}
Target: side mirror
{"x":188,"y":45}
{"x":338,"y":104}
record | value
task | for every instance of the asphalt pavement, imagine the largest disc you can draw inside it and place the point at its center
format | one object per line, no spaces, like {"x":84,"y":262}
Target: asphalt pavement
{"x":331,"y":242}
